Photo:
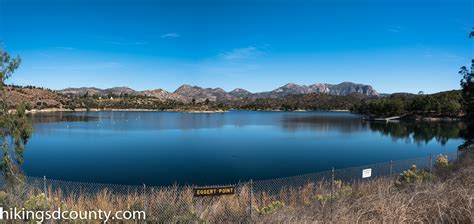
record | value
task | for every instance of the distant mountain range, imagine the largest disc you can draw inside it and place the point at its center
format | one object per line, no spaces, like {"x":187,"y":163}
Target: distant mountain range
{"x":187,"y":92}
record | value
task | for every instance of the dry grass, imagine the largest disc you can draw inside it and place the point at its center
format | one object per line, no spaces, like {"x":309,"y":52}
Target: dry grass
{"x":447,"y":199}
{"x":378,"y":202}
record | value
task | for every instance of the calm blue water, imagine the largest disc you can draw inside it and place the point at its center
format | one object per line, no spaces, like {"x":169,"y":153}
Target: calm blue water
{"x":162,"y":148}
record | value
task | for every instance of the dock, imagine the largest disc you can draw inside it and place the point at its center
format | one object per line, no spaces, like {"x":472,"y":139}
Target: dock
{"x":385,"y":119}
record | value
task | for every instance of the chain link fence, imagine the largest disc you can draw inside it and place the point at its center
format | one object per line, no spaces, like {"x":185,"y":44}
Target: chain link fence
{"x":250,"y":202}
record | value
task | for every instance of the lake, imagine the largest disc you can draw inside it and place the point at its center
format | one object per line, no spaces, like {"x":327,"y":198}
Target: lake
{"x":163,"y":148}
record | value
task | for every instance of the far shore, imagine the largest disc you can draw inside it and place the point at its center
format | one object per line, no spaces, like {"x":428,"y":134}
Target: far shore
{"x":194,"y":111}
{"x":414,"y":118}
{"x":49,"y":110}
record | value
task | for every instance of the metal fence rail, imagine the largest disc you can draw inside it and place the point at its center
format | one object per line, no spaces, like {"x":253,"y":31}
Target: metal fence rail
{"x":178,"y":204}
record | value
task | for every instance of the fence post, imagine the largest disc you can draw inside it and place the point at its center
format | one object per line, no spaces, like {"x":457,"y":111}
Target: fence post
{"x":332,"y":191}
{"x":391,"y":176}
{"x":457,"y":154}
{"x":391,"y":169}
{"x":45,"y":193}
{"x":431,"y":164}
{"x":144,"y":201}
{"x":250,"y":196}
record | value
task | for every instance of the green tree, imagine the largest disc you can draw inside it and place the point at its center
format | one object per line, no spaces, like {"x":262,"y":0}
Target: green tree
{"x":395,"y":106}
{"x":468,"y":91}
{"x":15,"y":129}
{"x":468,"y":87}
{"x":451,"y":108}
{"x":468,"y":102}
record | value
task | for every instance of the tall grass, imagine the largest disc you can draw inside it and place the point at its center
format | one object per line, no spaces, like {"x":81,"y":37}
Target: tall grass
{"x":446,"y":198}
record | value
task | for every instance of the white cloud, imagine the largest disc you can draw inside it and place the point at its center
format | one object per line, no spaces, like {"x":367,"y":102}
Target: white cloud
{"x":141,"y":43}
{"x":123,"y":43}
{"x":428,"y":53}
{"x":241,"y":53}
{"x":397,"y":29}
{"x":65,"y":48}
{"x":82,"y":67}
{"x":45,"y":55}
{"x":455,"y":56}
{"x":170,"y":35}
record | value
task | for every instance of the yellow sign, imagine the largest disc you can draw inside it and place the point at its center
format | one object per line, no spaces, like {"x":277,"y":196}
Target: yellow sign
{"x":213,"y":191}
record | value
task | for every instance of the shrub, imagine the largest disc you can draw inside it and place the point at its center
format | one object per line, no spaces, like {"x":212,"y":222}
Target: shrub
{"x":342,"y":191}
{"x":35,"y":202}
{"x":412,"y":176}
{"x":323,"y":199}
{"x":3,"y":198}
{"x":271,"y":209}
{"x":442,"y":167}
{"x":442,"y":160}
{"x":338,"y":184}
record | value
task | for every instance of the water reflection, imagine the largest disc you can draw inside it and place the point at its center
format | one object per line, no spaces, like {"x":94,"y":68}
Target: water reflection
{"x":321,"y":122}
{"x":61,"y":117}
{"x":324,"y":123}
{"x":419,"y":132}
{"x":162,"y":148}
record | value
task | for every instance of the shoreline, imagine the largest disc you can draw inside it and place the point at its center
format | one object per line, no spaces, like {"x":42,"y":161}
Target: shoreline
{"x":415,"y":119}
{"x":50,"y":110}
{"x":435,"y":119}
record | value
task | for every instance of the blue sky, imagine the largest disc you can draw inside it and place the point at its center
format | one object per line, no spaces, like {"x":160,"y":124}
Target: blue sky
{"x":395,"y":46}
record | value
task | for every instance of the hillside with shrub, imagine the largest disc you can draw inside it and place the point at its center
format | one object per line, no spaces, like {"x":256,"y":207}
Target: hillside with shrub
{"x":311,"y":101}
{"x":443,"y":104}
{"x":40,"y":98}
